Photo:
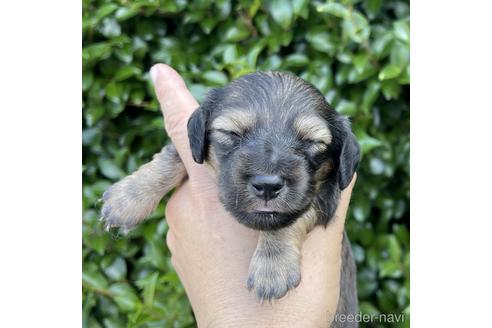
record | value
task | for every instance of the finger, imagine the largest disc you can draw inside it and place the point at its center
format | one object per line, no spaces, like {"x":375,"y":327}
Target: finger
{"x":179,"y":208}
{"x":170,"y":241}
{"x":177,"y":105}
{"x":321,"y":259}
{"x":331,"y":236}
{"x":338,"y":220}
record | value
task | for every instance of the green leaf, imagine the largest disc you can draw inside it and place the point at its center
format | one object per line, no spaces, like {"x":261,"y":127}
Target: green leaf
{"x":373,"y":7}
{"x":390,"y":269}
{"x":208,"y":24}
{"x":236,"y":33}
{"x":230,"y":54}
{"x":282,"y":12}
{"x":105,"y":10}
{"x":358,"y":253}
{"x":125,"y":53}
{"x":253,"y":8}
{"x":360,"y":211}
{"x":296,"y":60}
{"x":92,"y":323}
{"x":149,"y":289}
{"x":224,"y":7}
{"x":255,"y":51}
{"x":117,"y":270}
{"x":367,"y":282}
{"x":113,"y":323}
{"x":400,"y":54}
{"x":89,"y":135}
{"x":272,"y":63}
{"x":110,"y":28}
{"x":405,"y":76}
{"x":199,"y":91}
{"x":356,"y":76}
{"x":109,"y":169}
{"x":125,"y":297}
{"x":370,"y":95}
{"x":278,"y":40}
{"x":95,"y":52}
{"x":94,"y":279}
{"x":368,"y":308}
{"x":93,"y":113}
{"x":356,"y":27}
{"x":394,"y":248}
{"x":390,"y":71}
{"x":320,"y":39}
{"x":114,"y":92}
{"x":345,"y":107}
{"x":125,"y":13}
{"x":137,"y":96}
{"x":376,"y":166}
{"x":360,"y":61}
{"x":215,"y":78}
{"x":391,"y":89}
{"x":367,"y":143}
{"x":402,"y":234}
{"x":381,"y":44}
{"x":333,"y":8}
{"x":402,"y":30}
{"x":263,"y":25}
{"x":155,"y":254}
{"x":126,"y":72}
{"x":301,"y":8}
{"x":87,"y":79}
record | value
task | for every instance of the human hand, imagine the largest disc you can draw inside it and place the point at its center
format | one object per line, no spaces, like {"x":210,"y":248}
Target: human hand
{"x":211,"y":251}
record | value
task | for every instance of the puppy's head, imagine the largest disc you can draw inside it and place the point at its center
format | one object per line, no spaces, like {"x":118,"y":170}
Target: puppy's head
{"x":276,"y":146}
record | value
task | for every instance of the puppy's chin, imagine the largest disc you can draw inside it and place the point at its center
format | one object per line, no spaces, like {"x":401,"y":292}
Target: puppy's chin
{"x":266,"y":220}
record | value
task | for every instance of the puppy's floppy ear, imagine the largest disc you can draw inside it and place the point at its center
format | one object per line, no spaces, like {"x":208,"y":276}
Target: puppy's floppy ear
{"x":197,"y":134}
{"x":349,"y":155}
{"x":198,"y":124}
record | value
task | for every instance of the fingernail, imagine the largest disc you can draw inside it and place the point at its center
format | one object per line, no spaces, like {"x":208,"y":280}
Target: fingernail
{"x":153,"y":74}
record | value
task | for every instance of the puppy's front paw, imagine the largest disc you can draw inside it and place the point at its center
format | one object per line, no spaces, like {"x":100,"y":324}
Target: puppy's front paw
{"x":126,"y":204}
{"x":271,"y":277}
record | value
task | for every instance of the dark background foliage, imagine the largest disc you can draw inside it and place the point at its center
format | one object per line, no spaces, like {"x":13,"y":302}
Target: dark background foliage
{"x":355,"y":51}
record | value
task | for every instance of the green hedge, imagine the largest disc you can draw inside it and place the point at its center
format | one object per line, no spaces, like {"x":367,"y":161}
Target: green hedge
{"x":356,"y":52}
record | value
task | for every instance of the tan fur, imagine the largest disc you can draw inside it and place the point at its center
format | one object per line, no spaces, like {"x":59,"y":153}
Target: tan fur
{"x":212,"y":161}
{"x":313,"y":128}
{"x":134,"y":198}
{"x":237,"y":121}
{"x":322,"y":173}
{"x":221,"y":137}
{"x":275,"y":266}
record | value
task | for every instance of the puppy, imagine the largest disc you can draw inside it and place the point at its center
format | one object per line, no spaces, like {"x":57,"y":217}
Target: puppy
{"x":281,"y":155}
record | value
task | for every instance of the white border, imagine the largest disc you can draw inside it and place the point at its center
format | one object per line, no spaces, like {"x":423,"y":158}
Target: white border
{"x":40,"y":164}
{"x":451,"y":219}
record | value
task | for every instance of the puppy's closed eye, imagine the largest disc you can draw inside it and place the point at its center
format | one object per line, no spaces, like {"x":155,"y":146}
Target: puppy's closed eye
{"x":234,"y":121}
{"x":316,"y":146}
{"x":225,"y":137}
{"x":313,"y":130}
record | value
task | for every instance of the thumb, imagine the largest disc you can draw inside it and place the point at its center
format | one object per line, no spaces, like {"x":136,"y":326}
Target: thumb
{"x":338,"y":220}
{"x":177,"y":105}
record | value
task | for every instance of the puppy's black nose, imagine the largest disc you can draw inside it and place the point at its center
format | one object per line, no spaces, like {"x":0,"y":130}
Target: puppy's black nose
{"x":266,"y":186}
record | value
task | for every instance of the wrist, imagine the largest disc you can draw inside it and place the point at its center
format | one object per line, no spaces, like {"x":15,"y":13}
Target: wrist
{"x":246,"y":312}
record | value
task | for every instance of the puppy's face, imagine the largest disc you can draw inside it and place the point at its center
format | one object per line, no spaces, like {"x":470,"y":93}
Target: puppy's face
{"x":273,"y":142}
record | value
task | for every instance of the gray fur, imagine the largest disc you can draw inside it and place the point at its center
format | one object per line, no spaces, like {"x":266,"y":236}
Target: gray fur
{"x":348,"y":302}
{"x":276,"y":264}
{"x":134,"y":198}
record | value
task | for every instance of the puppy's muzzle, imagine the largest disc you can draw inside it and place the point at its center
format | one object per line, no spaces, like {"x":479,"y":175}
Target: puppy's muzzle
{"x":266,"y":187}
